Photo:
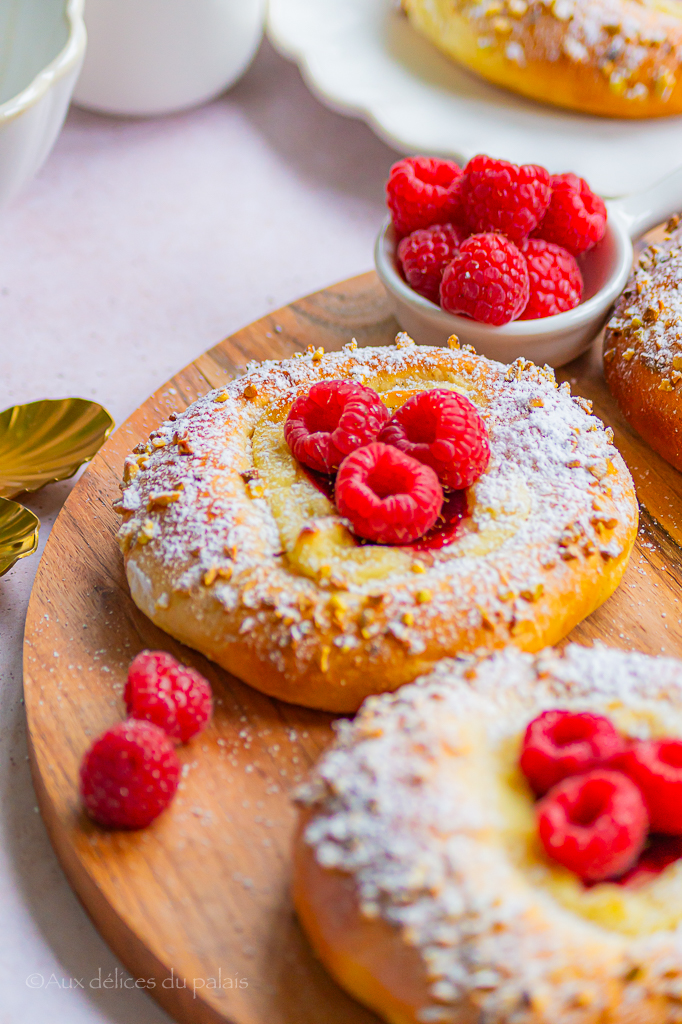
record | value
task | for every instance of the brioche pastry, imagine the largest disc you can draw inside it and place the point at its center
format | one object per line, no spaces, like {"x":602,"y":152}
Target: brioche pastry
{"x":419,"y":876}
{"x":231,"y":548}
{"x":617,"y":58}
{"x":643,"y":347}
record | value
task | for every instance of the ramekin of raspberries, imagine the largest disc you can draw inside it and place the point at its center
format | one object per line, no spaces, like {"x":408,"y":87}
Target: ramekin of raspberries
{"x":391,"y":477}
{"x":493,"y":241}
{"x":610,"y":807}
{"x":130,"y":774}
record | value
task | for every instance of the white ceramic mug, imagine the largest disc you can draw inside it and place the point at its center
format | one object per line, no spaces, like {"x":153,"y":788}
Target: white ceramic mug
{"x":149,"y":57}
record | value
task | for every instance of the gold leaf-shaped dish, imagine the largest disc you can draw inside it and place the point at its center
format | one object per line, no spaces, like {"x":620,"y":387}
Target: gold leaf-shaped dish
{"x":48,"y":440}
{"x":18,"y":533}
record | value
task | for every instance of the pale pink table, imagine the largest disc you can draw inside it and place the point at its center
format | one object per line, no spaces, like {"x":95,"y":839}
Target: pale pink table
{"x":140,"y":245}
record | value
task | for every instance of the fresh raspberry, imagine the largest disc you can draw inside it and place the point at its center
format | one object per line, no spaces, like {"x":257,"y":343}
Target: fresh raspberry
{"x":443,"y":430}
{"x":425,"y":254}
{"x":388,"y":497}
{"x":129,"y":775}
{"x":499,"y":196}
{"x":656,"y":767}
{"x":161,"y":690}
{"x":595,"y":824}
{"x":333,"y":419}
{"x":422,"y":191}
{"x":556,"y":283}
{"x":562,"y":743}
{"x":487,"y":280}
{"x":575,"y":218}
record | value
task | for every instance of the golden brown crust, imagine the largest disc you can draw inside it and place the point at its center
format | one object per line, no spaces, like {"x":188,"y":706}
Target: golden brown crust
{"x":368,"y":958}
{"x":643,"y":347}
{"x":421,"y":898}
{"x":227,"y":562}
{"x":616,"y":58}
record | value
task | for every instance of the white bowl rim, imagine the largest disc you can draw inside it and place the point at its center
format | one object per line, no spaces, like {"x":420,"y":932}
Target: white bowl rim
{"x":62,"y":64}
{"x":582,"y":314}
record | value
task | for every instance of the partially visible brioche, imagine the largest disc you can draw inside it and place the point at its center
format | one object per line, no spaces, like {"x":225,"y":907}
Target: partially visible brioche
{"x":643,"y":347}
{"x":418,"y":874}
{"x":617,"y":58}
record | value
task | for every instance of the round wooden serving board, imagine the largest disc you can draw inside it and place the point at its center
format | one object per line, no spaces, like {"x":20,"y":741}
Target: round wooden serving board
{"x":197,"y":906}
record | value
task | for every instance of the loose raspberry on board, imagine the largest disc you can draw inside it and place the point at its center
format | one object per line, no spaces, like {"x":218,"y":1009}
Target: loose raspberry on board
{"x":575,"y":218}
{"x":500,"y":196}
{"x":445,"y":431}
{"x":656,"y":767}
{"x":424,"y":255}
{"x":422,"y":191}
{"x":333,"y":419}
{"x":595,"y":824}
{"x":388,"y":497}
{"x":171,"y":695}
{"x":487,"y":280}
{"x":556,"y":284}
{"x":129,"y":775}
{"x":562,"y":743}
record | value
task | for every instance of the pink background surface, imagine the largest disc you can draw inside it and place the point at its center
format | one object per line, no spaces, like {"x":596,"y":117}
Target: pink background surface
{"x":141,"y":244}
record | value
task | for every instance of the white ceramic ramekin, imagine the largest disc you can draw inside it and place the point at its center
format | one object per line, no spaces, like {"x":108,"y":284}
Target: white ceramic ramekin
{"x":41,"y":56}
{"x":149,"y":57}
{"x":555,"y":340}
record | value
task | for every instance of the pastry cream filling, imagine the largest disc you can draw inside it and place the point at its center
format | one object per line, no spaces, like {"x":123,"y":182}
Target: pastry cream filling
{"x":315,"y":538}
{"x":655,"y":906}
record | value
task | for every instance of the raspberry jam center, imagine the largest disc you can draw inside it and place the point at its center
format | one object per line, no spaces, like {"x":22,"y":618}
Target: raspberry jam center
{"x":445,"y":531}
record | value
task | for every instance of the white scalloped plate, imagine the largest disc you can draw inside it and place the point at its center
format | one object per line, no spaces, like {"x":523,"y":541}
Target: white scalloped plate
{"x":362,"y":57}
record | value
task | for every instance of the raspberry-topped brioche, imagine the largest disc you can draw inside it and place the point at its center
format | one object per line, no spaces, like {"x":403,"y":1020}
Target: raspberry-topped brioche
{"x":434,"y":886}
{"x":643,"y":346}
{"x":323,"y":588}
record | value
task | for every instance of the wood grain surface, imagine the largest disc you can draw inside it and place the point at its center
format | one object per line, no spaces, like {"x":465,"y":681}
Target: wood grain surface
{"x":197,"y":906}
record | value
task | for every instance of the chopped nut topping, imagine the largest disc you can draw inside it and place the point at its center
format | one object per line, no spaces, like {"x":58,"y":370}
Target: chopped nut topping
{"x":161,"y":499}
{"x":408,"y":619}
{"x":324,"y":659}
{"x":536,"y":403}
{"x":418,"y":567}
{"x":453,"y":341}
{"x":223,"y":397}
{"x":250,"y":391}
{"x":533,"y":593}
{"x":130,"y":471}
{"x":317,"y":354}
{"x":609,"y":354}
{"x":628,"y":354}
{"x":665,"y":385}
{"x":147,"y":531}
{"x":423,"y":596}
{"x":210,"y":576}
